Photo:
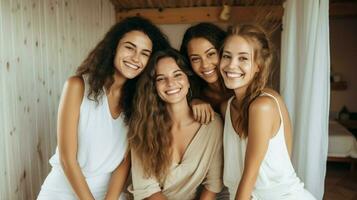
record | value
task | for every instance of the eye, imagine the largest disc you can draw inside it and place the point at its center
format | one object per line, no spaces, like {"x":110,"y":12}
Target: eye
{"x":195,"y":59}
{"x":225,"y":56}
{"x":129,"y":47}
{"x":242,"y":58}
{"x":210,"y":54}
{"x":159,"y":79}
{"x":145,"y":54}
{"x":177,"y":75}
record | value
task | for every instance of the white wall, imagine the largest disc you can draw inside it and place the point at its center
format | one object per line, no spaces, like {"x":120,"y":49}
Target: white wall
{"x":41,"y":43}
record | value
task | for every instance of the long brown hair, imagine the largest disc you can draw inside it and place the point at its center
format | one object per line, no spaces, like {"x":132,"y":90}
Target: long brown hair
{"x":150,"y":125}
{"x":99,"y":65}
{"x":263,"y":52}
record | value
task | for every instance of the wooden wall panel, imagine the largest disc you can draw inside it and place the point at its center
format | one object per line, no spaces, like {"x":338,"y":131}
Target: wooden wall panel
{"x":41,"y":43}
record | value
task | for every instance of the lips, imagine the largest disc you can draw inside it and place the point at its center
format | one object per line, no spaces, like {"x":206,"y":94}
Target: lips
{"x":173,"y":91}
{"x":234,"y":75}
{"x":208,"y":72}
{"x":131,"y":65}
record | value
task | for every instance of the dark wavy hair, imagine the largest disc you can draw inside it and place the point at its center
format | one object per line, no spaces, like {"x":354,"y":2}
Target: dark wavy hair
{"x":150,"y":124}
{"x":99,"y":65}
{"x":210,"y":32}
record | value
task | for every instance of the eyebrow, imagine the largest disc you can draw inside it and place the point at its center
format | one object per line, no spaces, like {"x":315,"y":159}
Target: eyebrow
{"x":128,"y":42}
{"x":240,"y":53}
{"x":178,"y":70}
{"x":205,"y":51}
{"x":209,"y":49}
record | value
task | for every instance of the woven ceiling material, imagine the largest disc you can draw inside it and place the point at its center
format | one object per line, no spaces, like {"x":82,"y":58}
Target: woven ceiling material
{"x":122,"y":5}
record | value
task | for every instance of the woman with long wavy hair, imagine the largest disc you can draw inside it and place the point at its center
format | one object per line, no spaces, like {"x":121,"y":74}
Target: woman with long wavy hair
{"x":172,"y":154}
{"x":200,"y":45}
{"x":257,"y":132}
{"x":91,"y":159}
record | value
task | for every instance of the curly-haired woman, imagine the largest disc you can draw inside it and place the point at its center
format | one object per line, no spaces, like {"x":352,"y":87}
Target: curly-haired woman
{"x":172,"y":154}
{"x":91,"y":161}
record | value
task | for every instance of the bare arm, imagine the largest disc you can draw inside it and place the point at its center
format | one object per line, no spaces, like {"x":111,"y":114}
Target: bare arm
{"x":67,"y":123}
{"x":262,"y":116}
{"x":118,"y":179}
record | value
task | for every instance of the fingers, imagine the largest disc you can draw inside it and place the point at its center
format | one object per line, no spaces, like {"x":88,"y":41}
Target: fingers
{"x":195,"y":112}
{"x":203,"y":113}
{"x":212,"y":113}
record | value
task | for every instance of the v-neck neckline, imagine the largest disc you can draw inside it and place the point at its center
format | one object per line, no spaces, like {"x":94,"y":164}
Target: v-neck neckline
{"x":188,"y":147}
{"x":108,"y":107}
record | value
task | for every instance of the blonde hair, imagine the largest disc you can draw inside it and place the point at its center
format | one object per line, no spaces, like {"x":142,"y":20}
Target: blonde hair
{"x":263,"y":52}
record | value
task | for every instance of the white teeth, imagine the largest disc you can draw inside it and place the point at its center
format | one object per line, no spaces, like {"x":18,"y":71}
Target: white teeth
{"x":234,"y":75}
{"x":131,"y":65}
{"x":172,"y":91}
{"x":208,"y":72}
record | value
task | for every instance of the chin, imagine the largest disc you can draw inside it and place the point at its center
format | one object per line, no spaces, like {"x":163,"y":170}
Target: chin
{"x":233,"y":86}
{"x":211,"y":80}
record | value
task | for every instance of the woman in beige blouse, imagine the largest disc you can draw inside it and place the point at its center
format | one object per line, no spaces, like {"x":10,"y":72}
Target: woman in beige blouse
{"x":172,"y":154}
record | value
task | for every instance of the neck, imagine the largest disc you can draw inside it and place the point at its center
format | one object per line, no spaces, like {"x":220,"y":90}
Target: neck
{"x":119,"y":81}
{"x":239,"y":93}
{"x":215,"y":86}
{"x":180,"y":113}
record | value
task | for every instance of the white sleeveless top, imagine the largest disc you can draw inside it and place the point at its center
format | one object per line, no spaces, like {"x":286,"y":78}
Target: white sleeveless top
{"x":276,"y":179}
{"x":102,"y":144}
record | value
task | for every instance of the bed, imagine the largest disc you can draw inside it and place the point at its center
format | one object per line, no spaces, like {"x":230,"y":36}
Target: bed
{"x":342,"y":145}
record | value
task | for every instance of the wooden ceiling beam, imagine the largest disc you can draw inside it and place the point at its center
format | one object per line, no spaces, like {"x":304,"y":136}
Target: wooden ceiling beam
{"x":192,"y":15}
{"x":199,"y":14}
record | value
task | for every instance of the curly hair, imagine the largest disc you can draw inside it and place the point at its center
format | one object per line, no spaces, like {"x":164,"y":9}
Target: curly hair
{"x":210,"y":32}
{"x":150,"y":125}
{"x":263,"y":52}
{"x":99,"y":64}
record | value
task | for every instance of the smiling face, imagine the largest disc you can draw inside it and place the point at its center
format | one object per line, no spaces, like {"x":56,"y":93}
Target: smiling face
{"x":171,"y":82}
{"x":132,"y":54}
{"x":237,"y":65}
{"x":204,"y":59}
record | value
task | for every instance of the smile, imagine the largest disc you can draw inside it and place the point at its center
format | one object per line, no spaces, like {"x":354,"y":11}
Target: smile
{"x":234,"y":75}
{"x":131,"y":65}
{"x":173,"y":91}
{"x":208,"y":72}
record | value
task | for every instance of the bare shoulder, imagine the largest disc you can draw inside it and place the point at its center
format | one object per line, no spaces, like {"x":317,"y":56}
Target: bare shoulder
{"x":73,"y":89}
{"x":75,"y":83}
{"x":263,"y":107}
{"x":274,"y":93}
{"x":262,"y":104}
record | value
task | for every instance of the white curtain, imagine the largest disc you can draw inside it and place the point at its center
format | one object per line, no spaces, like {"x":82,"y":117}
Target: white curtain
{"x":305,"y":86}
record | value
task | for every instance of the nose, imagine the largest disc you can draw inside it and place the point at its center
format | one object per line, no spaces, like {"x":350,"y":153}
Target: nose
{"x":205,"y":63}
{"x":233,"y":63}
{"x":169,"y":81}
{"x":135,"y":56}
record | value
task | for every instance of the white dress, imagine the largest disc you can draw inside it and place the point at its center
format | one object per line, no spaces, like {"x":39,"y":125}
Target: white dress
{"x":276,"y":180}
{"x":102,"y":144}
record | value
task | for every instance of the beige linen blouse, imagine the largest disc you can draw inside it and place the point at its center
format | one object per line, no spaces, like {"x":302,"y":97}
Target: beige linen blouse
{"x":201,"y":164}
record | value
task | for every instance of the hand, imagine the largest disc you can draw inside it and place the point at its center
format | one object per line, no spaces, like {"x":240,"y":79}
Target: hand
{"x":202,"y":111}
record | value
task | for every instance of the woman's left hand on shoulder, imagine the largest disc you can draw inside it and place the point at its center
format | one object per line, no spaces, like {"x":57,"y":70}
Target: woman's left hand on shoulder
{"x":202,"y":111}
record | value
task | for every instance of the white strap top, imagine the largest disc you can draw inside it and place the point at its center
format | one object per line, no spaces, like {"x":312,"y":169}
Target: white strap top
{"x":276,"y":174}
{"x":102,"y":140}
